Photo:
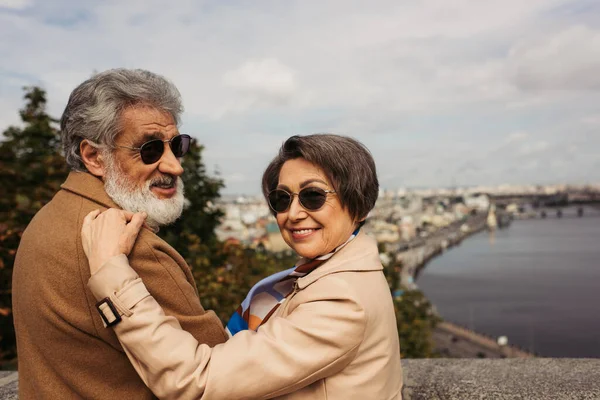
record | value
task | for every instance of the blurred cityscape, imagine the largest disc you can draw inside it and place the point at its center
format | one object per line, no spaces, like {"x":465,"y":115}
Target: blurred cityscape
{"x":413,"y":226}
{"x":405,"y":218}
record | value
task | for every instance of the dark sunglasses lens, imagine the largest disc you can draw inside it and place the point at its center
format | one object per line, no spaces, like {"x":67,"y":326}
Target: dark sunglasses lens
{"x":180,"y":145}
{"x":312,"y":198}
{"x":152,"y":151}
{"x":279,"y":200}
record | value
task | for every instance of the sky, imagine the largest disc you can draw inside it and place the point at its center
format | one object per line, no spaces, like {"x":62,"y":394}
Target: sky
{"x":444,"y":93}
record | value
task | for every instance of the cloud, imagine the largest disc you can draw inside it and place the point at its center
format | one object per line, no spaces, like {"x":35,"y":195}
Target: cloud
{"x":529,"y":149}
{"x":591,"y":120}
{"x":566,"y":60}
{"x":15,"y":4}
{"x":236,"y":178}
{"x":467,"y":88}
{"x":268,"y":79}
{"x":259,"y":84}
{"x":516,"y":137}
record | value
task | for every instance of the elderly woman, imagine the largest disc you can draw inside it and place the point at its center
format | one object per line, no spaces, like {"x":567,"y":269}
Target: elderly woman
{"x":324,"y":329}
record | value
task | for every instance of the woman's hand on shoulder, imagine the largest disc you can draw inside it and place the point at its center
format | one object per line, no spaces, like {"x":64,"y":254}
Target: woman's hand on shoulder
{"x":108,"y":234}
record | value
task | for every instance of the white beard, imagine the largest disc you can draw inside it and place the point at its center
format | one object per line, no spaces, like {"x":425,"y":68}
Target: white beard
{"x":129,"y":197}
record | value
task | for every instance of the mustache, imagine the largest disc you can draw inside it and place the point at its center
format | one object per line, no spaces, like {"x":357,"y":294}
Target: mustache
{"x":164,"y":181}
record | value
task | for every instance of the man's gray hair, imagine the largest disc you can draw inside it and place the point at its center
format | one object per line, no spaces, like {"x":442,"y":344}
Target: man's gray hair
{"x":94,"y":108}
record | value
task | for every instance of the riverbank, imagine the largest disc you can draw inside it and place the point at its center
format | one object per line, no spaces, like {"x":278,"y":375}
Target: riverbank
{"x":414,"y":255}
{"x":450,"y":340}
{"x":535,"y":283}
{"x":453,"y":341}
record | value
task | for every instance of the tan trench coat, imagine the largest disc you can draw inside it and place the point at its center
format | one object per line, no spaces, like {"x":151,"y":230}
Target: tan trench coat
{"x":335,"y":337}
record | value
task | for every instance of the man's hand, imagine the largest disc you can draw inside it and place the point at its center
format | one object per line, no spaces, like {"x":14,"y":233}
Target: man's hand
{"x":108,"y":234}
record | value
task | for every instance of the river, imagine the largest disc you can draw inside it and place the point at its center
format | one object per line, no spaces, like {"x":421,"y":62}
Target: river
{"x":536,"y":282}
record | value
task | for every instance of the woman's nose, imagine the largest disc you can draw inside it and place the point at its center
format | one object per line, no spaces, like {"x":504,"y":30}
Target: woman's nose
{"x":296,"y":210}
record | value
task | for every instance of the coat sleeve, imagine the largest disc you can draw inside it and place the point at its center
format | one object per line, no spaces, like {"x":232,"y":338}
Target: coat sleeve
{"x":171,"y":284}
{"x":317,"y":339}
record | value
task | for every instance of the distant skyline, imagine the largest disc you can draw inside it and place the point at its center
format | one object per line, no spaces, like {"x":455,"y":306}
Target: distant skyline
{"x":444,"y":93}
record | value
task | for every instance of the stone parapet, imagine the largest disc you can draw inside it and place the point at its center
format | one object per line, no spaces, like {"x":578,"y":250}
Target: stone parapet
{"x":502,"y":379}
{"x":8,"y":385}
{"x":465,"y":379}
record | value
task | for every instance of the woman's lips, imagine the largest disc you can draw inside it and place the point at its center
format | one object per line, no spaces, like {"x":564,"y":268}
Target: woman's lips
{"x":299,"y":234}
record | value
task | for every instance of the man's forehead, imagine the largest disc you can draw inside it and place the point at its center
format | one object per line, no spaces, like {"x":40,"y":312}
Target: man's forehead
{"x":147,"y":136}
{"x":146,"y":115}
{"x":148,"y":123}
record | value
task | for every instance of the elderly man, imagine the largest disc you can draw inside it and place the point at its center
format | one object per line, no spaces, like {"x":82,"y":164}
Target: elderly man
{"x":120,"y":138}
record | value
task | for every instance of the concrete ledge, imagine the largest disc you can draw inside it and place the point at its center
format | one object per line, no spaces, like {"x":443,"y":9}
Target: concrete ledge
{"x":464,"y":379}
{"x":8,"y":385}
{"x":527,"y":379}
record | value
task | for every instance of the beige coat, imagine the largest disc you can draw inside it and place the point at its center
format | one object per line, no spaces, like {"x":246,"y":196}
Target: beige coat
{"x":335,"y":337}
{"x":64,"y":350}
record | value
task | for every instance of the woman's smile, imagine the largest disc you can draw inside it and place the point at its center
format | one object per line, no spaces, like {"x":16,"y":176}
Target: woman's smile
{"x":312,"y":232}
{"x":302,"y":233}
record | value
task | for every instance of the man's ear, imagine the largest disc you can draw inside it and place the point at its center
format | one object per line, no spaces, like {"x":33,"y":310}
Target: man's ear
{"x":92,"y":158}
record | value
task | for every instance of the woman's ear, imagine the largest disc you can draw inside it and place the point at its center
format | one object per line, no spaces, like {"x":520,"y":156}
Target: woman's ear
{"x":92,"y":158}
{"x":361,"y":222}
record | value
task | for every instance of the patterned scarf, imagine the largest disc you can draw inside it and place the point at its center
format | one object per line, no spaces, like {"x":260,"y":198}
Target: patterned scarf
{"x":268,"y":294}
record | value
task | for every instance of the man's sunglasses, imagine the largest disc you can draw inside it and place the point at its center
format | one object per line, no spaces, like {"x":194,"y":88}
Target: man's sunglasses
{"x":152,"y":151}
{"x":311,"y":198}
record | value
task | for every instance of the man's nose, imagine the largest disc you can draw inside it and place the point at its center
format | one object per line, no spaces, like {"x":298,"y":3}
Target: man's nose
{"x":169,"y":164}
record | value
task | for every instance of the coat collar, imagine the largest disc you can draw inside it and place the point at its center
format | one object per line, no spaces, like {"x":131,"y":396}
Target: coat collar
{"x":361,"y":254}
{"x":89,"y":186}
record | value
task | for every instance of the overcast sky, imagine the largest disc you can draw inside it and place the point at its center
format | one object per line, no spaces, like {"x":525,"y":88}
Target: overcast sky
{"x":443,"y":92}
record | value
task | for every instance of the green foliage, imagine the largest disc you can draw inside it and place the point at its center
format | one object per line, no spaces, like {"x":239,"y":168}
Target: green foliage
{"x":414,"y":316}
{"x":31,"y":171}
{"x":225,"y":283}
{"x":416,"y":322}
{"x":200,"y":217}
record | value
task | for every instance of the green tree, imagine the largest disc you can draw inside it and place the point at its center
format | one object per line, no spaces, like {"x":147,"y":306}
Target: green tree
{"x":201,"y":216}
{"x":416,"y":322}
{"x":31,"y":171}
{"x":225,"y":283}
{"x":414,"y":315}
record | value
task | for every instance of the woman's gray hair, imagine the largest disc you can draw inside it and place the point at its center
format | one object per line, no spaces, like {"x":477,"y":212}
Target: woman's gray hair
{"x":94,"y":108}
{"x":347,"y":163}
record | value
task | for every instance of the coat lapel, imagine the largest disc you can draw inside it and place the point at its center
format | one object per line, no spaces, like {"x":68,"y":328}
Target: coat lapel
{"x":360,"y":254}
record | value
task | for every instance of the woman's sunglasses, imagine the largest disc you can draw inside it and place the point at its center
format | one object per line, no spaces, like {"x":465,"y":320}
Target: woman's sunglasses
{"x":311,"y":198}
{"x":152,"y":151}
